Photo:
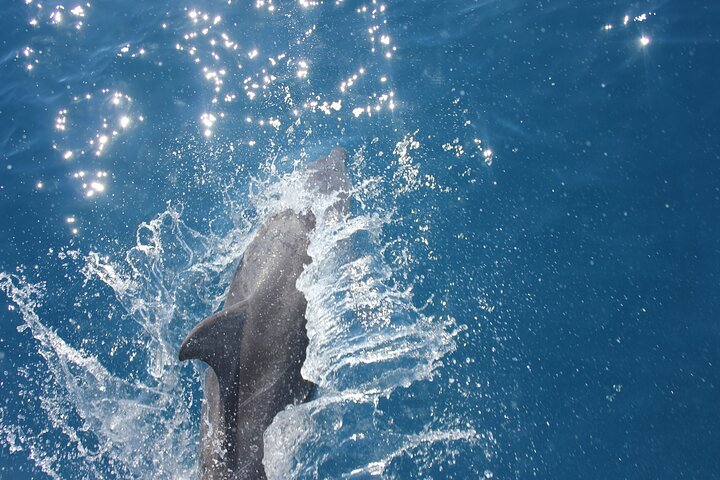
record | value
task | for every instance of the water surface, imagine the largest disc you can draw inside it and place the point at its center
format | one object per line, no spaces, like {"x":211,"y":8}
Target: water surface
{"x":526,"y":286}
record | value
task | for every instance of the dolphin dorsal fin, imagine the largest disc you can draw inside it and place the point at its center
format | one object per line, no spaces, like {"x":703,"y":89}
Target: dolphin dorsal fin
{"x":216,"y":340}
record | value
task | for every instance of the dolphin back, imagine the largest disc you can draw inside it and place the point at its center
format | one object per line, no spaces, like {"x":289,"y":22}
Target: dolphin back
{"x":256,"y":345}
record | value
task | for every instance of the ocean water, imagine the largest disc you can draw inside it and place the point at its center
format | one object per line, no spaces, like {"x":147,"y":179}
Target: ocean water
{"x":527,"y":284}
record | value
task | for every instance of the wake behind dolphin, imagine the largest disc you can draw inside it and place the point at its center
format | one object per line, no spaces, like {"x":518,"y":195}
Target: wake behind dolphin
{"x":256,"y":345}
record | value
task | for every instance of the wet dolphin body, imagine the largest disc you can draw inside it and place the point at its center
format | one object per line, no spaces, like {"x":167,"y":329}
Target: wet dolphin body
{"x":256,"y":344}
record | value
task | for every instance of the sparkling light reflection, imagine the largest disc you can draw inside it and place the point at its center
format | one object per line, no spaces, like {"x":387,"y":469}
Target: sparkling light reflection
{"x":643,"y":40}
{"x":221,"y":58}
{"x":91,"y":187}
{"x":279,"y":80}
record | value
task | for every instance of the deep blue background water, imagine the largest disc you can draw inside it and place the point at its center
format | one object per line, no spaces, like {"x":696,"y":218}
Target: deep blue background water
{"x":580,"y":261}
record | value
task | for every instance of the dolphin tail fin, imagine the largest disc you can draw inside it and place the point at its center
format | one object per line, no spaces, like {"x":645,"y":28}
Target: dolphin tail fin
{"x":215,"y":340}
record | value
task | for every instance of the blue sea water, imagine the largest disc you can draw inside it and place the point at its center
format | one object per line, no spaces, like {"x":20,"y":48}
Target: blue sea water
{"x":527,"y":286}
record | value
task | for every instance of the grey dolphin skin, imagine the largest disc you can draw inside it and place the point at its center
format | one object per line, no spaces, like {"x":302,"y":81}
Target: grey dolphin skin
{"x":256,"y":345}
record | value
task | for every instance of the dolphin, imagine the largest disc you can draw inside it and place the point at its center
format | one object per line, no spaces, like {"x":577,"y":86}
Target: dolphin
{"x":256,"y":345}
